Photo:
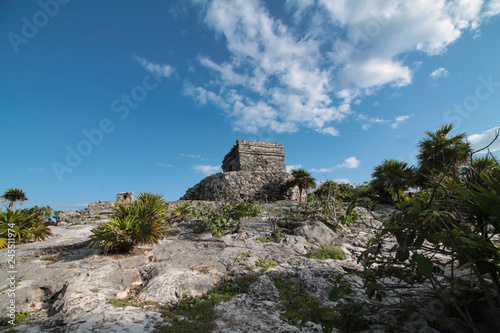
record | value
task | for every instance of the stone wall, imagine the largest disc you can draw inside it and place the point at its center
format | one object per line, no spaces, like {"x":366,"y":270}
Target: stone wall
{"x":243,"y":185}
{"x":255,"y":156}
{"x":95,"y":211}
{"x":252,"y":170}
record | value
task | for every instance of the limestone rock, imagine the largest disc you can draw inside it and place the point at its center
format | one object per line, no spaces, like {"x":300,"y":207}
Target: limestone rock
{"x":317,"y":232}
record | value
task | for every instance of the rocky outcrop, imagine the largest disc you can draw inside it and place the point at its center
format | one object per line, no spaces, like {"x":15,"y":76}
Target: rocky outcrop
{"x":68,"y":286}
{"x":243,"y":185}
{"x":95,"y":211}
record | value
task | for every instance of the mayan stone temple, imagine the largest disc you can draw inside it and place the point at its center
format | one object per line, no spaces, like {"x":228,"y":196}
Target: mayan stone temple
{"x":252,"y":170}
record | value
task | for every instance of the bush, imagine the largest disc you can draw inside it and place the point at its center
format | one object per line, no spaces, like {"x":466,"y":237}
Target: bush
{"x":140,"y":222}
{"x":344,"y":191}
{"x":456,"y":218}
{"x":218,"y":220}
{"x":24,"y":227}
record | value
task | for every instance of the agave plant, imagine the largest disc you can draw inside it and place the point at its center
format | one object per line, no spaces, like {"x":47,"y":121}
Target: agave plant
{"x":140,"y":222}
{"x":24,"y":226}
{"x":117,"y":236}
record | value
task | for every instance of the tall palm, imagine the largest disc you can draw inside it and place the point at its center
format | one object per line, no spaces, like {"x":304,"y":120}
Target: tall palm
{"x":440,"y":152}
{"x":303,"y":180}
{"x":393,"y":175}
{"x":14,"y":195}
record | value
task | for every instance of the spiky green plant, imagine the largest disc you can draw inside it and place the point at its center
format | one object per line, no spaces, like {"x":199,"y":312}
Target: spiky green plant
{"x":139,"y":222}
{"x":25,"y":227}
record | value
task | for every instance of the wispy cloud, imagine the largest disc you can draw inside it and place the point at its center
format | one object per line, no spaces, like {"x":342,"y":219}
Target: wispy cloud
{"x":191,"y":156}
{"x":481,"y":140}
{"x":161,"y":70}
{"x":369,"y":122}
{"x":399,"y":120}
{"x":289,"y":168}
{"x":439,"y":73}
{"x":349,"y":163}
{"x":164,"y":165}
{"x":36,"y":169}
{"x":281,"y":76}
{"x":206,"y":169}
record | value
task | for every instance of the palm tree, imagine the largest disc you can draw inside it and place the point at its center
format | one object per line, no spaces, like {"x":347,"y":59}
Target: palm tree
{"x":303,"y":180}
{"x":440,"y":152}
{"x":393,"y":175}
{"x":14,"y":195}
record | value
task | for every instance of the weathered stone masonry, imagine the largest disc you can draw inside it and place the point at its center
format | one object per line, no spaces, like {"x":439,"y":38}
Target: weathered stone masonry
{"x":252,"y":170}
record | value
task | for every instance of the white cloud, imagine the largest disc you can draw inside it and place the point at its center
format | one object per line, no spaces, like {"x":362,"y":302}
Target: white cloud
{"x":379,"y":121}
{"x":191,"y":156}
{"x":349,"y":163}
{"x":161,"y":70}
{"x":289,"y":168}
{"x":164,"y":165}
{"x":493,"y":8}
{"x":399,"y":120}
{"x":324,"y":170}
{"x":207,"y":170}
{"x":481,"y":140}
{"x":329,"y":130}
{"x":439,"y":73}
{"x":342,"y":181}
{"x":306,"y":73}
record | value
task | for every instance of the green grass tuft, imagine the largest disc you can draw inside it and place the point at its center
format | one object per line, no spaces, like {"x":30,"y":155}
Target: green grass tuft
{"x":324,"y":253}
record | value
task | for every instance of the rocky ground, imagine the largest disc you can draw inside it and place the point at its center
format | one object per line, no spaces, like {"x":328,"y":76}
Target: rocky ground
{"x":67,"y":286}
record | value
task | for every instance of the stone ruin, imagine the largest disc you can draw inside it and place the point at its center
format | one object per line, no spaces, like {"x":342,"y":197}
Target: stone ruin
{"x":126,"y":197}
{"x":252,"y":171}
{"x":94,"y":212}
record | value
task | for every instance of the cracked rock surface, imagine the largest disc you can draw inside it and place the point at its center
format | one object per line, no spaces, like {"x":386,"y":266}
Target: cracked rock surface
{"x":67,"y":286}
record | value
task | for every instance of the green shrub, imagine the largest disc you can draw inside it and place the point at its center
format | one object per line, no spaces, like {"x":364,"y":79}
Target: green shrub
{"x":22,"y":226}
{"x":221,"y":218}
{"x":324,"y":253}
{"x":271,"y":238}
{"x":198,"y":314}
{"x":140,"y":222}
{"x":296,"y":301}
{"x":183,"y":211}
{"x":265,"y":264}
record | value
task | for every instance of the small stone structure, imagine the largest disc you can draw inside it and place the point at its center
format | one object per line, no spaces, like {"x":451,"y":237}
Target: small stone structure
{"x":255,"y":156}
{"x":95,"y":211}
{"x":252,"y":170}
{"x":125,"y":197}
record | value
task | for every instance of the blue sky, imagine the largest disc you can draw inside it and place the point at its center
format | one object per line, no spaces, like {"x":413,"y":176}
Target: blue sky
{"x":100,"y":97}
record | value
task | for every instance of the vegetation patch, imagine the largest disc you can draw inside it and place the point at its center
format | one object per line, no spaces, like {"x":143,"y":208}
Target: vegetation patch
{"x":131,"y":301}
{"x":266,"y":264}
{"x":272,"y":237}
{"x":295,"y":299}
{"x":19,"y":317}
{"x":346,"y":316}
{"x":198,"y":314}
{"x":324,"y":253}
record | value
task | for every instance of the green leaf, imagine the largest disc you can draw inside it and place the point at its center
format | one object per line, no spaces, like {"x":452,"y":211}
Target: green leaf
{"x":334,"y":294}
{"x":423,"y":263}
{"x":305,"y":319}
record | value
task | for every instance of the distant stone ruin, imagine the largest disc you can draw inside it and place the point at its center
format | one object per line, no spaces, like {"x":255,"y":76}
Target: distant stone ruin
{"x":95,"y":211}
{"x":252,"y":170}
{"x":125,"y":197}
